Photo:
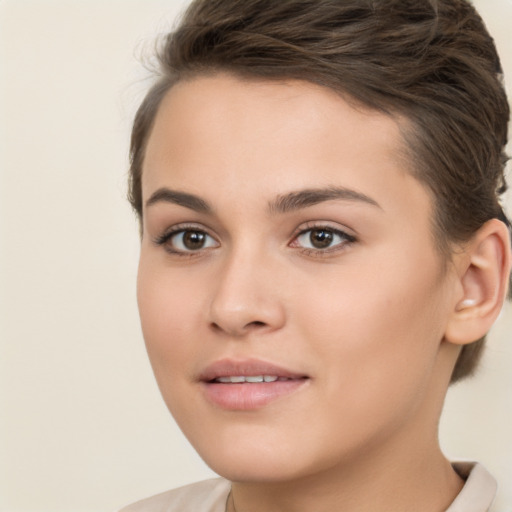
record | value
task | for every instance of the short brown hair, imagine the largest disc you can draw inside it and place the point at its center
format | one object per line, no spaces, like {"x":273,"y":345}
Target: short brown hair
{"x":430,"y":61}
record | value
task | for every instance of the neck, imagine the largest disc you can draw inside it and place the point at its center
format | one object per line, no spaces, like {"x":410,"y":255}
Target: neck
{"x":425,"y":482}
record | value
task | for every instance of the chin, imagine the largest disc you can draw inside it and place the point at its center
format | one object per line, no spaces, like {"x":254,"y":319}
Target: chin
{"x":265,"y":459}
{"x":242,"y":463}
{"x":255,"y":471}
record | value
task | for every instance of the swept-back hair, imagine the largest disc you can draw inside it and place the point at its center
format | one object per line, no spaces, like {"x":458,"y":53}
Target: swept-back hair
{"x":431,"y":62}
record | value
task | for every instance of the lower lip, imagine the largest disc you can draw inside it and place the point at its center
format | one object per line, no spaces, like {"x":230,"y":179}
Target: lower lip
{"x":249,"y":396}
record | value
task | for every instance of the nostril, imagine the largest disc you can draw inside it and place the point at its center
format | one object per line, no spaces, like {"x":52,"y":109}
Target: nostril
{"x":238,"y":331}
{"x":215,"y":327}
{"x":256,"y":323}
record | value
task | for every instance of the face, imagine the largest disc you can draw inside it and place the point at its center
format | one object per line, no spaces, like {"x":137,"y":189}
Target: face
{"x":291,"y":297}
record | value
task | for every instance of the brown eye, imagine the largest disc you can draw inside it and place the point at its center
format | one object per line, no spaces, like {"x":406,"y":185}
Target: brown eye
{"x":189,"y":240}
{"x":194,"y":240}
{"x":321,"y":238}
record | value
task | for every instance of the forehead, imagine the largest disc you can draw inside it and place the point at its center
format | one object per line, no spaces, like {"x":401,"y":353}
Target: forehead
{"x":249,"y":138}
{"x":208,"y":108}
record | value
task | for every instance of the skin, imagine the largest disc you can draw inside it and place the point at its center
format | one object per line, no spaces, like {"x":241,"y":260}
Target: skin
{"x":364,"y":319}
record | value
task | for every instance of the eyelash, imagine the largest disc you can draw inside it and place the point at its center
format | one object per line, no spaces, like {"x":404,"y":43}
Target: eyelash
{"x":345,"y":240}
{"x":163,"y":239}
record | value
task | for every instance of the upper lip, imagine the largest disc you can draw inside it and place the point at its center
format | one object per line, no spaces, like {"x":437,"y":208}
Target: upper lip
{"x":245,"y":368}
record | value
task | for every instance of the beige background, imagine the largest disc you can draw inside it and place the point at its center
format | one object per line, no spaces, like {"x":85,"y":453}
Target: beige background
{"x":82,"y":425}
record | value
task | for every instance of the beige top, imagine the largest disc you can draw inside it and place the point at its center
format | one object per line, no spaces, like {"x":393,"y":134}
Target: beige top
{"x":211,"y":495}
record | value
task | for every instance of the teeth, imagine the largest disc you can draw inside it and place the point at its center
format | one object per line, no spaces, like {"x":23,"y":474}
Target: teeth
{"x":228,"y":380}
{"x":257,"y":378}
{"x":236,"y":379}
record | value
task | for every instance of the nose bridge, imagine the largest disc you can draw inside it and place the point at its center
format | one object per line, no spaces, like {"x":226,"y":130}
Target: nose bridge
{"x":246,"y":297}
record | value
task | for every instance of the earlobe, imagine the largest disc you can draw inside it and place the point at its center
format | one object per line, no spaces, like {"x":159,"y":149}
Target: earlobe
{"x":484,"y":275}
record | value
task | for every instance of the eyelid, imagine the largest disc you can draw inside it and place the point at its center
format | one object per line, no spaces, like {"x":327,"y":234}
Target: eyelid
{"x":325,"y":224}
{"x":348,"y":238}
{"x":163,"y":238}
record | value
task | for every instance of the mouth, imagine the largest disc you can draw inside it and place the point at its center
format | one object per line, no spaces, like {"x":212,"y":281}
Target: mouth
{"x":248,"y":385}
{"x":250,"y":379}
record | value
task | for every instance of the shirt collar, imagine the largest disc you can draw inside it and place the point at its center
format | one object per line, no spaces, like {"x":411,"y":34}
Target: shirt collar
{"x":479,"y":490}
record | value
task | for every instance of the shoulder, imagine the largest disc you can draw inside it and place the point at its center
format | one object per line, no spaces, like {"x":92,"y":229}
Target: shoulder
{"x":205,"y":496}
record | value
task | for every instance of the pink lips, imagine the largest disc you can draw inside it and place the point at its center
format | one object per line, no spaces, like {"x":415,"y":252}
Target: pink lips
{"x":248,"y":384}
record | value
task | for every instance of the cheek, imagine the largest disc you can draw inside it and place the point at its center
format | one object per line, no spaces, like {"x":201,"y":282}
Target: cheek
{"x":376,"y":331}
{"x":168,"y":310}
{"x":369,"y":308}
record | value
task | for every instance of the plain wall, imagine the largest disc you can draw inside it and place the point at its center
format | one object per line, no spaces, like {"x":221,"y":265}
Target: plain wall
{"x":82,"y":424}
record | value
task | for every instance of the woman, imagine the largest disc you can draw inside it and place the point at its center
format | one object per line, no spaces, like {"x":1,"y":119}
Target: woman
{"x":323,"y":247}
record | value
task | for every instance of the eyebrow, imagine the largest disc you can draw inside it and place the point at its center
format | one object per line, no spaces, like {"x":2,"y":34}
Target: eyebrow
{"x":309,"y":197}
{"x":190,"y":201}
{"x":282,"y":204}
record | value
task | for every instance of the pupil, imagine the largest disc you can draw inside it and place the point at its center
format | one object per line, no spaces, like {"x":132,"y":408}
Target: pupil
{"x":193,"y":239}
{"x":320,"y":238}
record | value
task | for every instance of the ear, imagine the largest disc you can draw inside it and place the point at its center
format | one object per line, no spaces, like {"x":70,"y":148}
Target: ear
{"x":483,"y":269}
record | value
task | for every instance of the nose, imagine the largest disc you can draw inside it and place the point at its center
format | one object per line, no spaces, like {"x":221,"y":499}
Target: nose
{"x":246,"y":298}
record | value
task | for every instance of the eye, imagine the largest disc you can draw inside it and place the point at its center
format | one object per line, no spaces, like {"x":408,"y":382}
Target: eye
{"x":186,"y":240}
{"x":322,"y":238}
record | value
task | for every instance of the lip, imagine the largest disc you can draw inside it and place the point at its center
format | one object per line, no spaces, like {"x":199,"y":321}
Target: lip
{"x":248,"y":396}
